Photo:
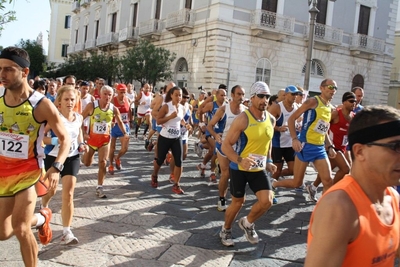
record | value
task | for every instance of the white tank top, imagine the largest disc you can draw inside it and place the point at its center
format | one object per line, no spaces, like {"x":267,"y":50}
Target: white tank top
{"x":172,"y":128}
{"x":285,"y":139}
{"x":73,"y":128}
{"x":229,"y":118}
{"x":184,"y":131}
{"x":146,"y":107}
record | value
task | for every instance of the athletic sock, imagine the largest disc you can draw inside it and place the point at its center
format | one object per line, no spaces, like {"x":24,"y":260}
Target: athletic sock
{"x":40,"y":219}
{"x":66,"y":230}
{"x":246,"y":223}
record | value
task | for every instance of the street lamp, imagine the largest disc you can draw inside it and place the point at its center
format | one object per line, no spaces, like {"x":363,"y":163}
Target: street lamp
{"x":313,"y":15}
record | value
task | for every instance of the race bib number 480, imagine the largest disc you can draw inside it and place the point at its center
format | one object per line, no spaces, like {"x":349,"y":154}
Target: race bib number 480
{"x":14,"y":145}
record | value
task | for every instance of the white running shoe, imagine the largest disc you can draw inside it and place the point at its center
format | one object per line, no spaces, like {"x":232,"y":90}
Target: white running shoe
{"x":69,"y":239}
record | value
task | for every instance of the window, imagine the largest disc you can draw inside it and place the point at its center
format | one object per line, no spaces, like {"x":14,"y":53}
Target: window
{"x":135,"y":11}
{"x":158,"y":9}
{"x":322,"y":6}
{"x":181,"y":65}
{"x":96,"y":31}
{"x":263,"y":71}
{"x":67,"y":23}
{"x":76,"y":36}
{"x":316,"y":68}
{"x":85,"y":36}
{"x":358,"y":81}
{"x":269,"y":5}
{"x":64,"y":48}
{"x":114,"y":22}
{"x":188,"y":4}
{"x":363,"y":20}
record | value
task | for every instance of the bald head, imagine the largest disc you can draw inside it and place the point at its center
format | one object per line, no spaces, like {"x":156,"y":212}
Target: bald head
{"x":169,"y":86}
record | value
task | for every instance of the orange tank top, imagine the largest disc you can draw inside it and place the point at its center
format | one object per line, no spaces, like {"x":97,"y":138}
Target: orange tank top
{"x":376,"y":243}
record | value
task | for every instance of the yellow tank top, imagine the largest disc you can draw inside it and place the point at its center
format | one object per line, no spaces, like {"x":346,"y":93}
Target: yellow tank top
{"x":316,"y":123}
{"x":198,"y":106}
{"x":255,"y":141}
{"x":20,"y":142}
{"x":100,"y":120}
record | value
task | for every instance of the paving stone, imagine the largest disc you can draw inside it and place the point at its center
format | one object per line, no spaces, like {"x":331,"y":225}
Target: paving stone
{"x":146,"y":219}
{"x":122,"y":261}
{"x":138,"y":248}
{"x":193,"y":256}
{"x":262,"y":262}
{"x":75,"y":256}
{"x":162,"y":234}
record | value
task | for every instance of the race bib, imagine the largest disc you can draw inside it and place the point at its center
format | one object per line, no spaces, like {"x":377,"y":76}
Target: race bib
{"x":345,"y":140}
{"x":261,"y":162}
{"x":100,"y":127}
{"x":73,"y":147}
{"x":124,"y":117}
{"x":183,"y":130}
{"x":14,"y":145}
{"x":173,"y":132}
{"x":321,"y":127}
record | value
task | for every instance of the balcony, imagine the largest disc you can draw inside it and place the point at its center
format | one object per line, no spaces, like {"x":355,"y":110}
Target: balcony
{"x":76,"y":6}
{"x":129,"y":35}
{"x":151,"y":29}
{"x":180,"y":22}
{"x":271,"y":25}
{"x":79,"y":47}
{"x":70,"y":49}
{"x":107,"y":39}
{"x":90,"y":44}
{"x":361,"y":44}
{"x":326,"y":37}
{"x":85,"y":3}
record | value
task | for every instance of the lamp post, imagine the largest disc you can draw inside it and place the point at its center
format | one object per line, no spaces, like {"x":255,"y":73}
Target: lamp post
{"x":313,"y":15}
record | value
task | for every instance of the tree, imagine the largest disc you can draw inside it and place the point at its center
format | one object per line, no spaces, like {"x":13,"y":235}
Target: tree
{"x":36,"y":55}
{"x":146,"y":63}
{"x":6,"y":17}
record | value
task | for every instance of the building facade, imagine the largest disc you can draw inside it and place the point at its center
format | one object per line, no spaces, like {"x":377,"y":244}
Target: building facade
{"x":59,"y":33}
{"x":241,"y":41}
{"x":394,"y":89}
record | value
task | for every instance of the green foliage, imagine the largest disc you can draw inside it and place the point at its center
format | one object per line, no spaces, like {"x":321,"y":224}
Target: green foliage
{"x":6,"y":17}
{"x":36,"y":55}
{"x":147,"y":63}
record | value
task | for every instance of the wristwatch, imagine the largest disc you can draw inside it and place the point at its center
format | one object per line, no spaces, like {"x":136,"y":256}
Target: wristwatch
{"x":58,"y":166}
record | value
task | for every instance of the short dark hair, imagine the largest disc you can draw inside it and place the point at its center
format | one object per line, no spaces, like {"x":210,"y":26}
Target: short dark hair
{"x":348,"y":95}
{"x":12,"y":50}
{"x":222,"y":86}
{"x":234,"y":88}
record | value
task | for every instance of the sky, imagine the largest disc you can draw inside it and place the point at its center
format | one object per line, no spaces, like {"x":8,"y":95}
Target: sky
{"x":33,"y":17}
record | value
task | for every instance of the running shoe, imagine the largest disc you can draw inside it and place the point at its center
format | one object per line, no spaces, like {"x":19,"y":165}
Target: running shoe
{"x":172,"y":178}
{"x":111,"y":169}
{"x":154,"y":181}
{"x":146,"y":144}
{"x":177,"y":190}
{"x":249,"y":232}
{"x":201,"y":170}
{"x":150,"y":147}
{"x":226,"y":237}
{"x":221,"y":206}
{"x":118,"y":164}
{"x":100,"y":193}
{"x":311,"y":193}
{"x":213,"y":179}
{"x":69,"y":239}
{"x":45,"y":233}
{"x":274,"y":199}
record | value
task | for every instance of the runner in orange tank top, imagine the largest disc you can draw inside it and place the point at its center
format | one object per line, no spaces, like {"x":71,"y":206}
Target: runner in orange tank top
{"x":356,"y":222}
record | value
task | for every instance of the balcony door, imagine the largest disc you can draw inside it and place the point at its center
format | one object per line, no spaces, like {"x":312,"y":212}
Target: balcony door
{"x":267,"y":18}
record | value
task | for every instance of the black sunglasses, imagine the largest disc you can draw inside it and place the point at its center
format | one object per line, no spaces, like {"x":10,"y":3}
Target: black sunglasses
{"x":263,"y":95}
{"x":393,"y":146}
{"x":294,"y":94}
{"x":352,"y":101}
{"x":186,"y":97}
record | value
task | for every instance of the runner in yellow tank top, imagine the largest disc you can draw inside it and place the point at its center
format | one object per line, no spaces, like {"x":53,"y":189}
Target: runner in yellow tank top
{"x":23,"y":113}
{"x":252,"y":132}
{"x":310,"y":145}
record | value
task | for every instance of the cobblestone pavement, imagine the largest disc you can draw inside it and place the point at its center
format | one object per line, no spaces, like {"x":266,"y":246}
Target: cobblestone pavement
{"x":138,"y":225}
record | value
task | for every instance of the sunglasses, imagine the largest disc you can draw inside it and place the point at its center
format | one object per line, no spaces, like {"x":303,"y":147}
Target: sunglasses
{"x":331,"y":87}
{"x":352,"y":101}
{"x":186,"y":97}
{"x":295,"y":94}
{"x":261,"y":96}
{"x":393,"y":146}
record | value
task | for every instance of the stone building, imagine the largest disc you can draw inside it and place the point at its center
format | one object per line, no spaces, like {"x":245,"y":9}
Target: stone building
{"x":241,"y":41}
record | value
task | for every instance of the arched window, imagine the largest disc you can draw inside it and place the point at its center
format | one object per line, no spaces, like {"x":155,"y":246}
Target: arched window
{"x":358,"y":81}
{"x":263,"y":71}
{"x":181,"y":65}
{"x":317,"y":68}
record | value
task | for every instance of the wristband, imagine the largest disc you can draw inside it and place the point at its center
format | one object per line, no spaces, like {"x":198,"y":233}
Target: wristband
{"x":54,"y":141}
{"x":269,"y":160}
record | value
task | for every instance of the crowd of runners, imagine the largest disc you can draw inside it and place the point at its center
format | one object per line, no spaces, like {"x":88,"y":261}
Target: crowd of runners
{"x":265,"y":142}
